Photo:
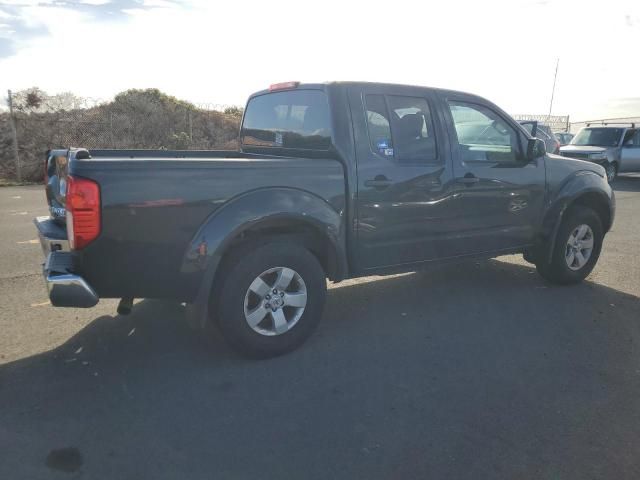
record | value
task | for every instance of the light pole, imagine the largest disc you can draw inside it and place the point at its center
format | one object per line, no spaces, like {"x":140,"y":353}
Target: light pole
{"x":553,"y":90}
{"x":14,"y":132}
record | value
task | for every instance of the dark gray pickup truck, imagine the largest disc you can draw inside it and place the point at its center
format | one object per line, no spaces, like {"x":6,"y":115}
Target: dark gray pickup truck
{"x":332,"y":181}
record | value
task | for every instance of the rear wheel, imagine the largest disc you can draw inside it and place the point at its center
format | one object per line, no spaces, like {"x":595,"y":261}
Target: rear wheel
{"x":271,"y":298}
{"x":577,"y":247}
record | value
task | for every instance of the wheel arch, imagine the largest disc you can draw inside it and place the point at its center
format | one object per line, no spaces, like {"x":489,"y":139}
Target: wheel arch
{"x":580,"y":192}
{"x":290,"y":227}
{"x":261,"y":216}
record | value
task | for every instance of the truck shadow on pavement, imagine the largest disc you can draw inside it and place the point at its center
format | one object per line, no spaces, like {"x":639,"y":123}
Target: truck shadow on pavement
{"x":483,"y":363}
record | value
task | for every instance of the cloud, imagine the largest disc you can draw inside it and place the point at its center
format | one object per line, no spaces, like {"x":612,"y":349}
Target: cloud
{"x":16,"y":28}
{"x":623,"y":107}
{"x":26,"y":20}
{"x":6,"y":48}
{"x":219,"y":52}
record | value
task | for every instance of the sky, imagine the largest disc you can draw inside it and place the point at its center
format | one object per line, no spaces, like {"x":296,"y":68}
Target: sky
{"x":219,"y":52}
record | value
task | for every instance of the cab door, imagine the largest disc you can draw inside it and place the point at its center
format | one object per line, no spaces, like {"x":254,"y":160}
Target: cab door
{"x":403,"y":176}
{"x":499,"y":193}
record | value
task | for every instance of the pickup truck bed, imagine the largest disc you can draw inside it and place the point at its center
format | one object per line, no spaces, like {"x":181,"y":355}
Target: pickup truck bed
{"x":151,"y":201}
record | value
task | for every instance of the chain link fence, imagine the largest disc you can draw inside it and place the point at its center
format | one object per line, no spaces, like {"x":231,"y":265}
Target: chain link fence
{"x":147,"y":119}
{"x":557,"y":123}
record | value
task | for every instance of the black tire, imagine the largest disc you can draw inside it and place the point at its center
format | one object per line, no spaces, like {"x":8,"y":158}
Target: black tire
{"x":558,"y":270}
{"x":611,"y":169}
{"x":237,"y":274}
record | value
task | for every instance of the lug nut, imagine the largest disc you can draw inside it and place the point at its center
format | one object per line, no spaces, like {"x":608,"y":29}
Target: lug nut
{"x":267,"y":296}
{"x":282,"y":294}
{"x":275,"y":291}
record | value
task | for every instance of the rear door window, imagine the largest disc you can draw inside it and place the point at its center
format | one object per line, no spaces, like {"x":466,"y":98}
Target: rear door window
{"x":413,"y":129}
{"x":379,"y":125}
{"x":400,"y":128}
{"x":296,"y":119}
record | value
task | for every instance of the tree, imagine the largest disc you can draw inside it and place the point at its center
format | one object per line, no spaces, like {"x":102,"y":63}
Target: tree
{"x":29,"y":100}
{"x":35,"y":100}
{"x":234,"y":111}
{"x":150,"y":98}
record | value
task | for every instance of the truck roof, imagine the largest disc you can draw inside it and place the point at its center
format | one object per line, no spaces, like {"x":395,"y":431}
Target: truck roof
{"x":350,"y":83}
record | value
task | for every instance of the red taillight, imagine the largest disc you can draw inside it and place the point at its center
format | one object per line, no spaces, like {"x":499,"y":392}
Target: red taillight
{"x":283,"y":86}
{"x":83,"y":211}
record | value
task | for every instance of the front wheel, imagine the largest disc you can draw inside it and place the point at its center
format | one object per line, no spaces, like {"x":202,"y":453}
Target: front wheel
{"x":577,"y":247}
{"x":271,"y":298}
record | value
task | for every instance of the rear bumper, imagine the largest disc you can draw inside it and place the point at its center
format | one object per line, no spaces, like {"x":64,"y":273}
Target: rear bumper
{"x":53,"y":236}
{"x":66,"y":289}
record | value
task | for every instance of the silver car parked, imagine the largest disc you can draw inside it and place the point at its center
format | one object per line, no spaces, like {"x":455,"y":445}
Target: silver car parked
{"x":564,"y":138}
{"x":616,"y":148}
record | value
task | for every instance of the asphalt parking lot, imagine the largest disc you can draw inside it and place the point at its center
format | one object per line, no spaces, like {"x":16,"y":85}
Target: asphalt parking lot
{"x":476,"y":371}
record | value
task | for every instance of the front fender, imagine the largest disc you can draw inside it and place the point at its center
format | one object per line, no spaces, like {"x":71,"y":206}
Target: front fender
{"x":208,"y":245}
{"x":575,"y":186}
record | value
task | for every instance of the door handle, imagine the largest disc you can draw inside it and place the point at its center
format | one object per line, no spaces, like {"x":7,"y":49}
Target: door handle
{"x":468,"y":180}
{"x":379,"y":182}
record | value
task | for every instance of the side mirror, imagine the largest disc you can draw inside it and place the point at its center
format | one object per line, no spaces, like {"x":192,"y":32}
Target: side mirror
{"x":535,"y":148}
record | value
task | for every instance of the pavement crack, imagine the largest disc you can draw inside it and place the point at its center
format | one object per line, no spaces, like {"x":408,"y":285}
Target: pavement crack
{"x":20,"y":275}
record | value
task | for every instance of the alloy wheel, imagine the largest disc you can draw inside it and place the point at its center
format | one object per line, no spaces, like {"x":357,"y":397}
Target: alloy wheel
{"x":275,"y":301}
{"x":579,"y":247}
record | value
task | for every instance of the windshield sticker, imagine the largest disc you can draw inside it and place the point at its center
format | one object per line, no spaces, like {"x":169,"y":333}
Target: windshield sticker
{"x":279,"y":139}
{"x":388,"y":152}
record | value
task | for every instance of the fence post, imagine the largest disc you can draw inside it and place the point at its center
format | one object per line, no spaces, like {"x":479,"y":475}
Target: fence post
{"x":14,"y":132}
{"x":111,"y":131}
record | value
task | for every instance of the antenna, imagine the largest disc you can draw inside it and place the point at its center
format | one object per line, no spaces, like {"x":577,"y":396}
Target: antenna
{"x":553,"y":90}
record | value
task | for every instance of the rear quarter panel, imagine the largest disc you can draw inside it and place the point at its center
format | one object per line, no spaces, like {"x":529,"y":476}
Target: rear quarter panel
{"x":153,"y":209}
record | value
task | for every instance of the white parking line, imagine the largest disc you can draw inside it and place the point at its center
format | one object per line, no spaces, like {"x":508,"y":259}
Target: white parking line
{"x":43,"y":304}
{"x":33,"y":242}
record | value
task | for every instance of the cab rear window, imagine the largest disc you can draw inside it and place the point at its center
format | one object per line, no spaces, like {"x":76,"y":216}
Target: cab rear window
{"x":296,"y":119}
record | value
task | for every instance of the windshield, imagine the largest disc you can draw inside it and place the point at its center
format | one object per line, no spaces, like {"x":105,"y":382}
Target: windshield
{"x":599,"y":137}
